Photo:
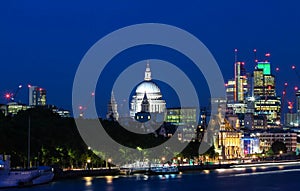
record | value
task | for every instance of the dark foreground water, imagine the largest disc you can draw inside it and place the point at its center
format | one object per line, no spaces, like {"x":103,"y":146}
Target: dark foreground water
{"x":249,"y":178}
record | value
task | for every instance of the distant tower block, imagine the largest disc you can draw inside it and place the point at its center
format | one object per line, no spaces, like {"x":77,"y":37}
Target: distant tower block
{"x":37,"y":96}
{"x":112,"y":108}
{"x":241,"y":87}
{"x":298,"y":101}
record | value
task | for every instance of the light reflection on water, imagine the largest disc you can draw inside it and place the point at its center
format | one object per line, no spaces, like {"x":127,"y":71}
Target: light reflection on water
{"x":88,"y":181}
{"x":109,"y":179}
{"x":255,"y":178}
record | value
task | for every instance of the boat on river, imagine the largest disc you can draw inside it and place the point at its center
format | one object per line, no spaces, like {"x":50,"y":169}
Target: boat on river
{"x":162,"y":170}
{"x":20,"y":178}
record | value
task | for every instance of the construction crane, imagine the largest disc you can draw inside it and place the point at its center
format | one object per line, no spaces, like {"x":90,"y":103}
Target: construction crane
{"x":11,"y":96}
{"x":296,"y":71}
{"x":283,"y":97}
{"x":83,"y":108}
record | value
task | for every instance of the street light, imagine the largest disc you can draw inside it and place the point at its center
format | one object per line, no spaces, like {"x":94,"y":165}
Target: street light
{"x":163,"y":160}
{"x":88,"y":160}
{"x":179,"y":160}
{"x":206,"y":157}
{"x":109,"y":163}
{"x":220,"y":159}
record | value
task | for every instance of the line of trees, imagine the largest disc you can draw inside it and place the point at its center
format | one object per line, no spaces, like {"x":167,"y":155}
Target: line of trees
{"x":56,"y":140}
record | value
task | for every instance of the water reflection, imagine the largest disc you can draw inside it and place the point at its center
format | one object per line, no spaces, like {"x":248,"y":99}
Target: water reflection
{"x":88,"y":181}
{"x":109,"y":179}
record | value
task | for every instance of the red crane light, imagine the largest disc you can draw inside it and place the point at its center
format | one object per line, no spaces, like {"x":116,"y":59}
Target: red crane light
{"x":7,"y":96}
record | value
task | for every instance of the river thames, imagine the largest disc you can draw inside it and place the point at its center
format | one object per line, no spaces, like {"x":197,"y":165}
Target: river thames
{"x":246,"y":178}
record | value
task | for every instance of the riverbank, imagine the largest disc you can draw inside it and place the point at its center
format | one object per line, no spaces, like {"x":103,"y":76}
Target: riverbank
{"x":70,"y":174}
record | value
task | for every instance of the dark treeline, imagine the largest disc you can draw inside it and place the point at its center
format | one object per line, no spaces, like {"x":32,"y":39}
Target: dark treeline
{"x":56,"y":140}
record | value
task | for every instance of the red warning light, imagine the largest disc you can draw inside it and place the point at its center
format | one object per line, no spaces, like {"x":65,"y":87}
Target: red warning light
{"x":7,"y":96}
{"x":267,"y":54}
{"x":285,"y":83}
{"x":80,"y":107}
{"x":290,"y":106}
{"x":277,"y":69}
{"x":296,"y":88}
{"x":93,"y":93}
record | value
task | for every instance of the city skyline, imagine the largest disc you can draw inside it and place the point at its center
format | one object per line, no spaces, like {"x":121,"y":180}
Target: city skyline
{"x":43,"y":43}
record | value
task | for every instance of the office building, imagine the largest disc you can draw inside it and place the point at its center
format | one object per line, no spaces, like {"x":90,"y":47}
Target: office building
{"x":37,"y":96}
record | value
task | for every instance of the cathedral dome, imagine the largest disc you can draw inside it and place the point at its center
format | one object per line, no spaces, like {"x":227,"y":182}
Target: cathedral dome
{"x":149,"y":90}
{"x":147,"y":87}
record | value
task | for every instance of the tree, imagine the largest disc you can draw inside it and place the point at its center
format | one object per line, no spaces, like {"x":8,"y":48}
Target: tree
{"x":211,"y":152}
{"x":278,"y":146}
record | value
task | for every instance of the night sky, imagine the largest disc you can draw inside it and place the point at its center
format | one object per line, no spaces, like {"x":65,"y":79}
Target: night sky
{"x":43,"y":42}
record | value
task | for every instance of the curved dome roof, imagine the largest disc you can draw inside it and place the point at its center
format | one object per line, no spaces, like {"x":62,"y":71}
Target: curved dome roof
{"x":147,"y":86}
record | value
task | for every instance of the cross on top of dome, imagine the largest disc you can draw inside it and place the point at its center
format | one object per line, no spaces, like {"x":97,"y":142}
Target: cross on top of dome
{"x":147,"y":72}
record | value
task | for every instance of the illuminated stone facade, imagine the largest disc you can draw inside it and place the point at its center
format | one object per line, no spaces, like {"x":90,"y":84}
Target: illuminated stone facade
{"x":152,"y":91}
{"x":228,"y":141}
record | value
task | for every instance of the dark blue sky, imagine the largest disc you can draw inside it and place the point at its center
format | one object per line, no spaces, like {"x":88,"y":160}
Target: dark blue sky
{"x":43,"y":42}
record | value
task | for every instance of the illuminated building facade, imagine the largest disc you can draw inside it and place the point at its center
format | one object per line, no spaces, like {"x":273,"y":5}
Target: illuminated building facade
{"x":37,"y":96}
{"x":264,"y":95}
{"x":291,"y":119}
{"x":270,"y":106}
{"x":237,"y":88}
{"x":185,"y":120}
{"x":266,"y":139}
{"x":265,"y":66}
{"x":12,"y":108}
{"x":240,"y":77}
{"x":230,"y":91}
{"x":263,"y":80}
{"x":236,"y":108}
{"x":298,"y":101}
{"x":156,"y":103}
{"x":60,"y":111}
{"x":250,"y":145}
{"x":182,"y":116}
{"x":228,"y":143}
{"x":252,"y":121}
